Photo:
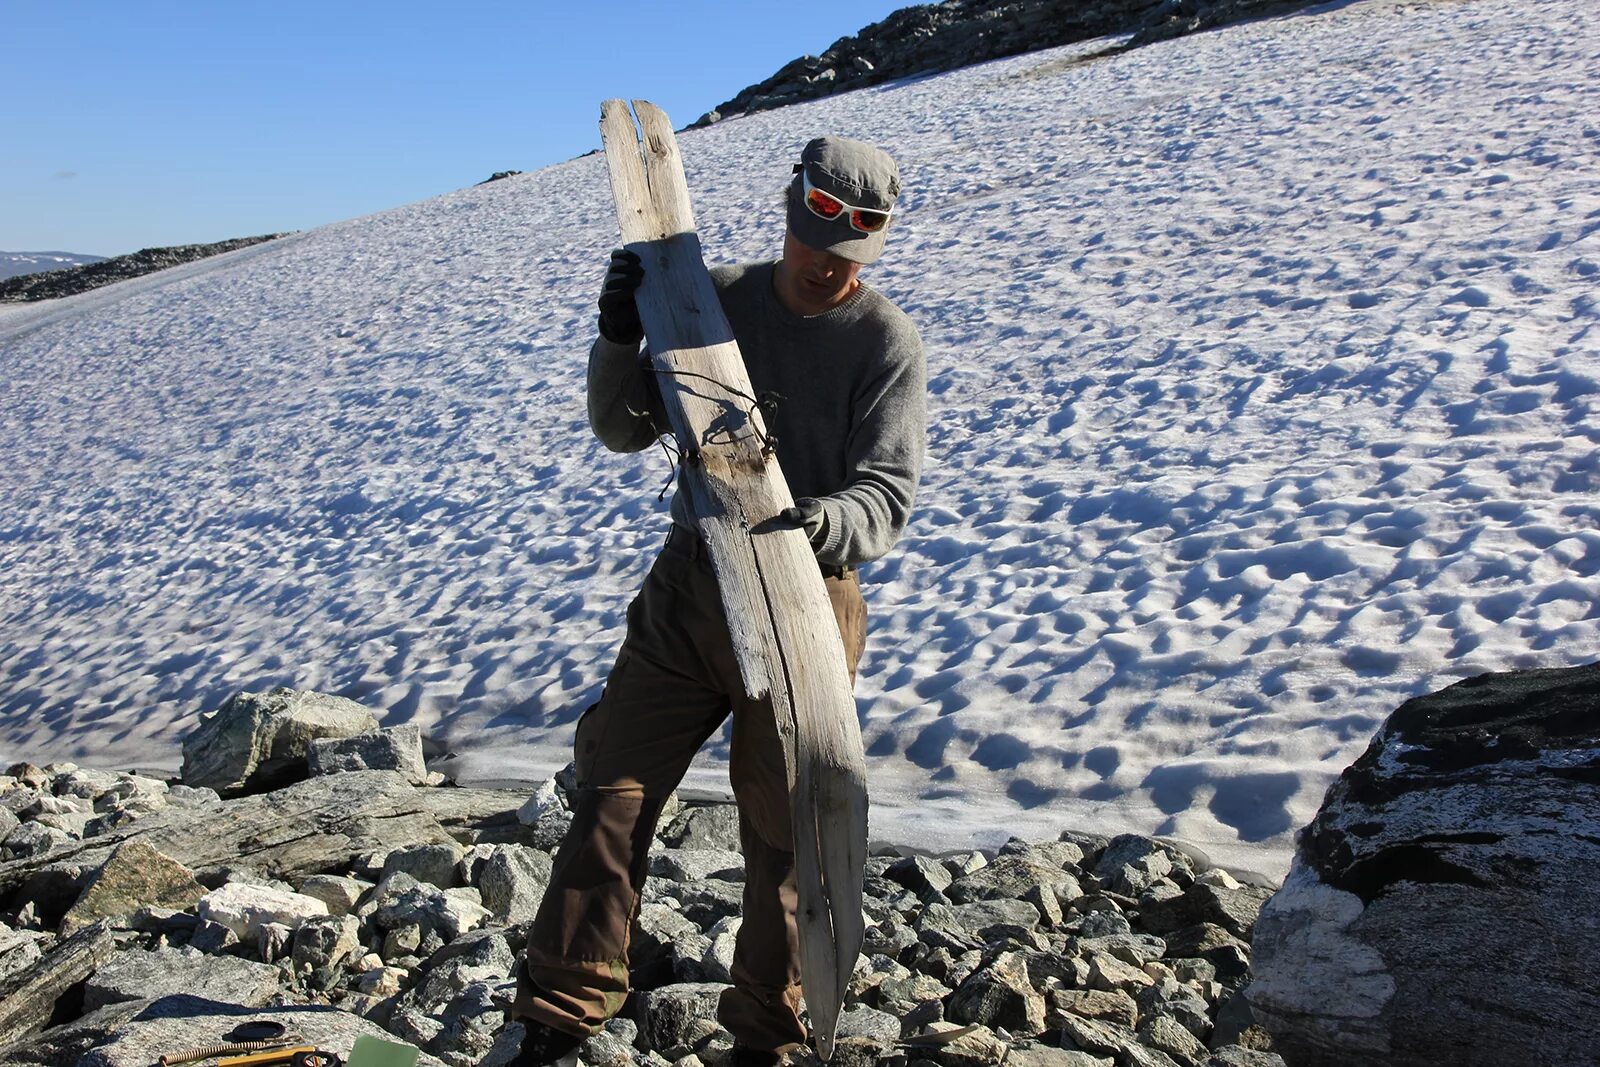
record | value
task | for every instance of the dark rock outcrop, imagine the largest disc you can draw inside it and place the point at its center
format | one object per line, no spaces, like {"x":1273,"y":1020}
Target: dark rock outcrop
{"x":931,"y":38}
{"x":1441,"y":905}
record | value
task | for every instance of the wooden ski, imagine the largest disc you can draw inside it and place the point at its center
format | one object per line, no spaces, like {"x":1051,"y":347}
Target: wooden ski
{"x":784,"y":631}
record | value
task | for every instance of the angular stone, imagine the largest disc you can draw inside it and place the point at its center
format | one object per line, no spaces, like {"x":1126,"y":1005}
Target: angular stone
{"x":920,"y":874}
{"x":1030,"y":1054}
{"x":1116,"y":1007}
{"x":1166,"y":1035}
{"x":1009,"y":877}
{"x":32,"y":840}
{"x":1178,"y":1002}
{"x":513,"y":881}
{"x":1130,"y":864}
{"x":323,"y":946}
{"x":28,"y":996}
{"x":1238,"y":1056}
{"x":244,"y":908}
{"x":1108,"y":973}
{"x":693,"y":864}
{"x":260,"y":740}
{"x":433,"y":863}
{"x":976,"y":1047}
{"x":136,"y":974}
{"x":704,"y":826}
{"x":667,"y":1016}
{"x":134,"y":876}
{"x":999,"y":996}
{"x":211,"y":937}
{"x":397,"y":749}
{"x":339,"y":893}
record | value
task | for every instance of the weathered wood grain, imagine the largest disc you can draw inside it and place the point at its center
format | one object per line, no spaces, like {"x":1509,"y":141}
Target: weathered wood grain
{"x":783,"y":628}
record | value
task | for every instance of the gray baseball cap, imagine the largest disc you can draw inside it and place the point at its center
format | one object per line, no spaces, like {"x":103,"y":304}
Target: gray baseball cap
{"x":855,"y":173}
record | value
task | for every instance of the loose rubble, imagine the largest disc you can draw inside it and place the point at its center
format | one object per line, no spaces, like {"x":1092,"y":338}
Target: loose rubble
{"x":1082,"y":951}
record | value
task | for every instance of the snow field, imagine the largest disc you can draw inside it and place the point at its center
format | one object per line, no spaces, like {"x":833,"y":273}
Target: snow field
{"x":1263,"y":368}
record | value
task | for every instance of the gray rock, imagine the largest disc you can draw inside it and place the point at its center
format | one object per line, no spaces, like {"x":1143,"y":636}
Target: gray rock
{"x":33,"y":839}
{"x":1097,"y":924}
{"x":244,"y":908}
{"x":706,"y":901}
{"x":979,"y":922}
{"x":1236,"y":1025}
{"x":1178,"y":1002}
{"x":260,"y":740}
{"x":323,"y":946}
{"x":693,"y":864}
{"x":1166,"y":1035}
{"x":1010,"y":877}
{"x":339,"y":893}
{"x":433,"y":863}
{"x":709,"y":826}
{"x":978,"y":1047}
{"x":1000,"y":996}
{"x":133,"y":877}
{"x":878,"y":1028}
{"x":1030,"y":1054}
{"x":401,"y":902}
{"x":1237,"y":1056}
{"x":135,"y":974}
{"x":1130,"y":864}
{"x":1477,"y":807}
{"x":1115,"y":1007}
{"x":921,"y":875}
{"x":159,"y":1027}
{"x":212,"y":938}
{"x":667,"y":1017}
{"x":397,"y":749}
{"x":273,"y":941}
{"x":513,"y":880}
{"x":8,"y":822}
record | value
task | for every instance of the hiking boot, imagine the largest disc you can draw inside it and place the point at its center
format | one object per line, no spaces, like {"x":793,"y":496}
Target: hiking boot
{"x":544,"y":1045}
{"x":744,"y":1056}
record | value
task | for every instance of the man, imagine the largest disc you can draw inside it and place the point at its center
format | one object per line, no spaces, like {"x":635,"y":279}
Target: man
{"x":849,"y":368}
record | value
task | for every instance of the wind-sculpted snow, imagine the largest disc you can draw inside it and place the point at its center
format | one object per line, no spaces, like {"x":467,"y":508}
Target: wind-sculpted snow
{"x":1265,"y":393}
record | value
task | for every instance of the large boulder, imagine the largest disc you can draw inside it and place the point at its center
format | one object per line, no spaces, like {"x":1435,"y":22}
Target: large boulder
{"x":1440,"y":907}
{"x":138,"y":1033}
{"x":137,"y":974}
{"x":260,"y":741}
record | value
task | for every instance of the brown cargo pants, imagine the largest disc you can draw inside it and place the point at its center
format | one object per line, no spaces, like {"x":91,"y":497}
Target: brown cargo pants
{"x":674,"y":683}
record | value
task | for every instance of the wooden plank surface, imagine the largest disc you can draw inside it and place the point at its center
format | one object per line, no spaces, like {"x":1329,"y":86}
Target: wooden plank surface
{"x":784,"y":632}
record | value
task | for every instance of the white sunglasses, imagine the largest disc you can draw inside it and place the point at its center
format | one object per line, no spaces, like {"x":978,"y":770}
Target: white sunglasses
{"x":825,"y":205}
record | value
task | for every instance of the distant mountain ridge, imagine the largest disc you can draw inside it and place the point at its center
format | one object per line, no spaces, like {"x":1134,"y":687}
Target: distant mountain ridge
{"x":45,"y":283}
{"x":14,"y":264}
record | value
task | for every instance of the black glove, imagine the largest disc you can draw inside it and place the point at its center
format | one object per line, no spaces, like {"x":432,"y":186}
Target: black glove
{"x":807,"y":515}
{"x":619,"y":314}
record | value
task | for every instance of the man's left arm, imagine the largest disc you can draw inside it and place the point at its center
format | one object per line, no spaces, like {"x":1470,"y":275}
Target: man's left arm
{"x":862,"y":521}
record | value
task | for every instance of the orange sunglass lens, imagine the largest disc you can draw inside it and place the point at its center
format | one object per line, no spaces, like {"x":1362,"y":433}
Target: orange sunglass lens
{"x":823,"y":204}
{"x":868,"y":221}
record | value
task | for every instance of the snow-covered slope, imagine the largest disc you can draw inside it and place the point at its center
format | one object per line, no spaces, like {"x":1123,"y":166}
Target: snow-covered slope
{"x":1265,"y":368}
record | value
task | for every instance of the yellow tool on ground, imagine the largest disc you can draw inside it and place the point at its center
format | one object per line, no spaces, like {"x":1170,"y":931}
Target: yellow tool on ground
{"x":294,"y":1056}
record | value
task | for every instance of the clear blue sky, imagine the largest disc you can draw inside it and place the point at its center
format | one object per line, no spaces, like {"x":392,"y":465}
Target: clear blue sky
{"x":134,"y":124}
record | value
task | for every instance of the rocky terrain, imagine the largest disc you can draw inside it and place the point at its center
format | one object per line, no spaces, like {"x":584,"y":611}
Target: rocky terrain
{"x":142,"y":916}
{"x":68,"y":281}
{"x":931,"y":38}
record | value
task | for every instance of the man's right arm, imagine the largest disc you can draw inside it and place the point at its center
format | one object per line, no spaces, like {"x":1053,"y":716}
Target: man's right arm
{"x":624,"y":404}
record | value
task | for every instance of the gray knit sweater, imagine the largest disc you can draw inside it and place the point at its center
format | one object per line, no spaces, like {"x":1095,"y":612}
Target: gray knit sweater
{"x":853,"y":415}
